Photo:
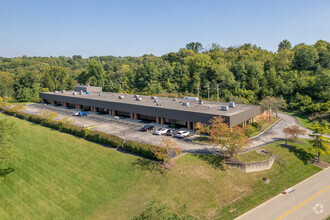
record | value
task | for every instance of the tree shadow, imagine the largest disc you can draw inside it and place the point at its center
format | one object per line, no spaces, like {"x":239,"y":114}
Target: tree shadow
{"x":149,"y":165}
{"x":300,"y":153}
{"x":5,"y":172}
{"x":216,"y":161}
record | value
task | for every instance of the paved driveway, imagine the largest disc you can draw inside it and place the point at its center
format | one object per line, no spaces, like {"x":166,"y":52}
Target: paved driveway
{"x":129,"y":129}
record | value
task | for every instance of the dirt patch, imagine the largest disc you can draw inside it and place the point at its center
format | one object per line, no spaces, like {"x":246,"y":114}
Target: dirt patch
{"x":322,"y":164}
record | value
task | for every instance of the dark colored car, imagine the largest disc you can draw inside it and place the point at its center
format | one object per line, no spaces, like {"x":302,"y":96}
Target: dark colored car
{"x":171,"y":132}
{"x":147,"y":128}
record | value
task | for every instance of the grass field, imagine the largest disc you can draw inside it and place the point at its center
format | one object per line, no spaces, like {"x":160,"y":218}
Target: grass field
{"x":65,"y":177}
{"x":252,"y":157}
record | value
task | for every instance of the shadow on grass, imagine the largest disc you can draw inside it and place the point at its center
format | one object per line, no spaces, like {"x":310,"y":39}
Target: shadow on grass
{"x":149,"y":165}
{"x":5,"y":172}
{"x":216,"y":161}
{"x":300,"y":153}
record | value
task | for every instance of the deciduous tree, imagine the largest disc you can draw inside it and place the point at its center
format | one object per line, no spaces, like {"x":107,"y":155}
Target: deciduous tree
{"x":292,"y":133}
{"x":320,"y":143}
{"x":48,"y":115}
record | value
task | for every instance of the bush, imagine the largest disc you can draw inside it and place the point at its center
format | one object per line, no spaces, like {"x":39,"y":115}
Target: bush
{"x":142,"y":149}
{"x":35,"y":118}
{"x":23,"y":115}
{"x":108,"y":139}
{"x":255,"y":125}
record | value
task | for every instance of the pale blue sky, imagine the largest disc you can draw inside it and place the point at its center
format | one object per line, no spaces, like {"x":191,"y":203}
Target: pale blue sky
{"x":134,"y":28}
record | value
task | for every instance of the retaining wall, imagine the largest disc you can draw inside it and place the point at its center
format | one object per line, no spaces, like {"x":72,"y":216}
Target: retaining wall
{"x":254,"y":166}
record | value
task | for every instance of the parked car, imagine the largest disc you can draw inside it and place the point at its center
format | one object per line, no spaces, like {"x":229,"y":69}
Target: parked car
{"x":182,"y":134}
{"x":147,"y":128}
{"x":171,"y":132}
{"x":81,"y":114}
{"x":161,"y":131}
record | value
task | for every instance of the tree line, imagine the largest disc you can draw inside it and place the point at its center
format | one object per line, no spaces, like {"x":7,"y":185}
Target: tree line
{"x":245,"y":74}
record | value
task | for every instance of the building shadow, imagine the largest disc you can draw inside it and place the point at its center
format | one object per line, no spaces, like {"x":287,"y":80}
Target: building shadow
{"x":5,"y":172}
{"x":300,"y":153}
{"x":149,"y":165}
{"x":216,"y":161}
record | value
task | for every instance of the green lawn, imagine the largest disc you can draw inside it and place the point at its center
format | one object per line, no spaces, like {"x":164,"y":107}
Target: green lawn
{"x":265,"y":126}
{"x":252,"y":157}
{"x":65,"y":177}
{"x":303,"y":119}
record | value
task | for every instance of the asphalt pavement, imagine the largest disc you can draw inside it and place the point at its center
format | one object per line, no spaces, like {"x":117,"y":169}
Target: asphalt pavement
{"x":308,"y":200}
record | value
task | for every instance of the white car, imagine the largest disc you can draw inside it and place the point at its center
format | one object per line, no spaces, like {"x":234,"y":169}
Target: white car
{"x":182,"y":134}
{"x":161,"y":131}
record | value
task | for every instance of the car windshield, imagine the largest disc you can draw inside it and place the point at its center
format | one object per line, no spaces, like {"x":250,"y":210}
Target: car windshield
{"x":160,"y":129}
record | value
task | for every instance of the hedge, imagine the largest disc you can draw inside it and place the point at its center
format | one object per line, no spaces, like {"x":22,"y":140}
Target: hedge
{"x":95,"y":136}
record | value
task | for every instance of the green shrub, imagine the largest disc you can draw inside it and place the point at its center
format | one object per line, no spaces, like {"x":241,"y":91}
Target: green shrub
{"x":23,"y":115}
{"x":141,"y":148}
{"x":35,"y":118}
{"x":9,"y":111}
{"x":255,"y":125}
{"x":108,"y":139}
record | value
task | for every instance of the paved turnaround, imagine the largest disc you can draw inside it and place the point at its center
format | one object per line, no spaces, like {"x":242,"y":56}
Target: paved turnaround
{"x":308,"y":200}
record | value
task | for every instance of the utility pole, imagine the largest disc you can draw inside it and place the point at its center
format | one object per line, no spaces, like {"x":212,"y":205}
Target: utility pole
{"x":208,"y":92}
{"x":123,"y":84}
{"x":198,"y":90}
{"x":218,"y":92}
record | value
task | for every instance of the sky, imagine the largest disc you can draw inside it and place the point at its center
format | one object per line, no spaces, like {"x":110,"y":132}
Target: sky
{"x":134,"y":28}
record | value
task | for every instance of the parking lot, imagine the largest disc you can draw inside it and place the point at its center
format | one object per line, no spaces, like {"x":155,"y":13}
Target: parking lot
{"x":123,"y":127}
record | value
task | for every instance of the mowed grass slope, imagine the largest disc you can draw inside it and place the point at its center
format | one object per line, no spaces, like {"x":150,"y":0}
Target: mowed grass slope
{"x":65,"y":177}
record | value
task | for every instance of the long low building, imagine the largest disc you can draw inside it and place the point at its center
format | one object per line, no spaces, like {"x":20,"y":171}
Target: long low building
{"x":162,"y":110}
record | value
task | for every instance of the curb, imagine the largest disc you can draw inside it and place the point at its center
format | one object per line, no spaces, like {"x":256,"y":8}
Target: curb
{"x":266,"y":129}
{"x":279,"y":194}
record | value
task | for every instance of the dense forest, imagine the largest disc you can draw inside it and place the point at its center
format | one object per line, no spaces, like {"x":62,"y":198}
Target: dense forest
{"x":246,"y":74}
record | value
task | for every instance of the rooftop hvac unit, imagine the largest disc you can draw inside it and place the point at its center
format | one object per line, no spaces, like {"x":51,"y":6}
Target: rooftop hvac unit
{"x":185,"y":103}
{"x":224,"y":108}
{"x":81,"y":93}
{"x":200,"y":102}
{"x":232,"y":104}
{"x":55,"y":91}
{"x":191,"y":98}
{"x":62,"y":91}
{"x":74,"y":93}
{"x":138,"y":98}
{"x":121,"y":97}
{"x":156,"y":100}
{"x":175,"y":99}
{"x":153,"y":97}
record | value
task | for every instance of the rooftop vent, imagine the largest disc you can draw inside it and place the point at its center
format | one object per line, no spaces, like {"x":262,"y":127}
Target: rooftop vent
{"x":232,"y":104}
{"x":156,"y":100}
{"x":121,"y":97}
{"x":185,"y":103}
{"x":62,"y":91}
{"x":81,"y":93}
{"x":153,"y":97}
{"x":138,"y":98}
{"x":55,"y":91}
{"x":191,"y":98}
{"x":200,"y":102}
{"x":74,"y":93}
{"x":224,"y":108}
{"x":175,"y":99}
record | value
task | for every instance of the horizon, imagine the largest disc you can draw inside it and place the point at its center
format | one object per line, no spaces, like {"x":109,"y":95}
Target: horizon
{"x":132,"y":29}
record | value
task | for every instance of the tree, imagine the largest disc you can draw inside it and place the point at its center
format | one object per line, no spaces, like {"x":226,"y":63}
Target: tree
{"x":320,"y":143}
{"x":292,"y":133}
{"x":166,"y":150}
{"x":232,"y":139}
{"x":58,"y":76}
{"x":4,"y":102}
{"x":284,"y":45}
{"x":274,"y":104}
{"x":48,"y":115}
{"x":194,"y":46}
{"x":16,"y":108}
{"x":8,"y":130}
{"x":261,"y":120}
{"x":65,"y":122}
{"x":305,"y":57}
